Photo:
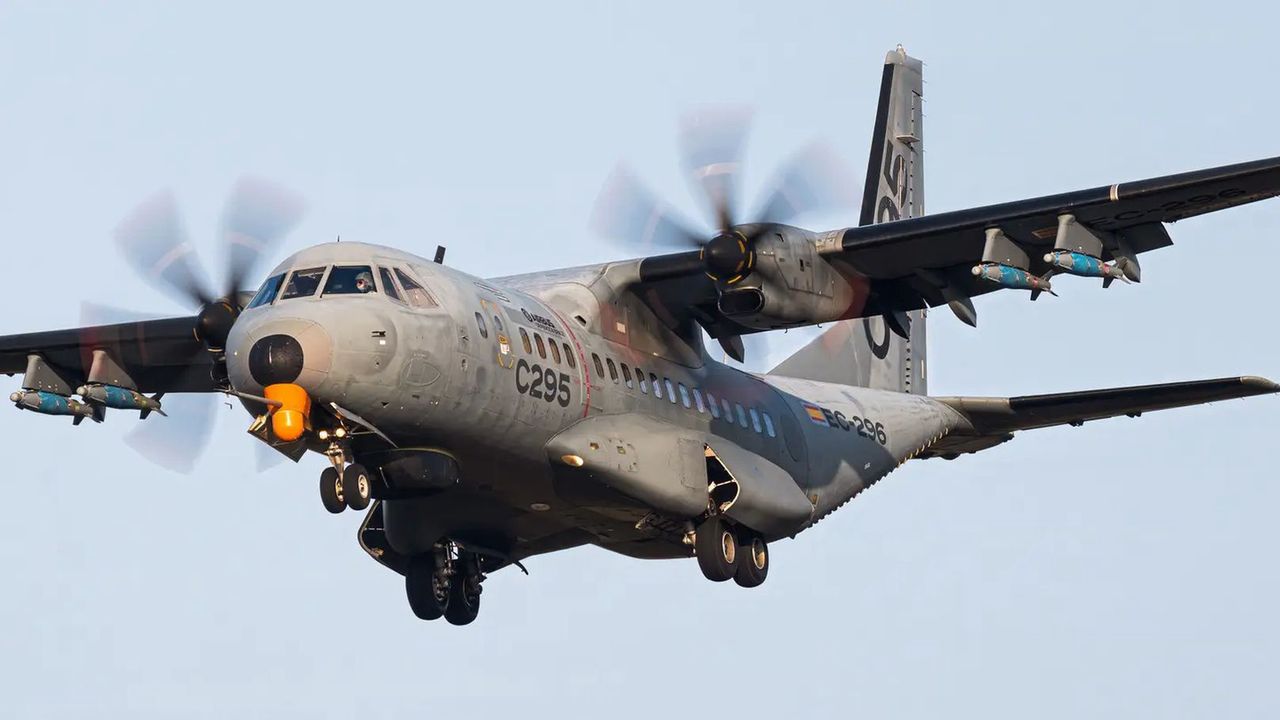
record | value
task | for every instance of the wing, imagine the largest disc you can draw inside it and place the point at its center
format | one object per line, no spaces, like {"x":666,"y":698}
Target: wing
{"x":158,"y":355}
{"x":929,"y":260}
{"x":994,"y":420}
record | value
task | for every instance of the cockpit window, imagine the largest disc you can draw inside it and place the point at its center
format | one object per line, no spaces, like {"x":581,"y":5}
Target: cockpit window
{"x":413,"y":290}
{"x":350,"y":280}
{"x":389,"y":285}
{"x":268,"y":291}
{"x":303,"y":283}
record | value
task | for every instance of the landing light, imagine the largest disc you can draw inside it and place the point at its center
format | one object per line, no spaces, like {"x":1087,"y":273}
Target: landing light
{"x":571,"y":460}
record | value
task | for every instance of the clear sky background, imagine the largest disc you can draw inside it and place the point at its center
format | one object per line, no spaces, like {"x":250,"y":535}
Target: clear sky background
{"x":1122,"y":568}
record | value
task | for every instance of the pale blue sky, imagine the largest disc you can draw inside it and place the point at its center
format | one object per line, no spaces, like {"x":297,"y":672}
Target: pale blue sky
{"x":1122,"y":568}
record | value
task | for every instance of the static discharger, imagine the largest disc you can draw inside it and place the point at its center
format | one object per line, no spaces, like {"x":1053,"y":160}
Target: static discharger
{"x":1075,"y":263}
{"x":289,"y":420}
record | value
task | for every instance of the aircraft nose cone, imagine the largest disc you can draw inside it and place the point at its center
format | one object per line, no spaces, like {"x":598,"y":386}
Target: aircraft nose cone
{"x":275,"y":359}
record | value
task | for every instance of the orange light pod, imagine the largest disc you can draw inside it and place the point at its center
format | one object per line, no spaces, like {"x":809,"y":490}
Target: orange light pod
{"x":289,"y":421}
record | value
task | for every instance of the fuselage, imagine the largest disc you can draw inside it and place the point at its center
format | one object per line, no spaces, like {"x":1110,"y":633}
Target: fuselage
{"x":502,"y":373}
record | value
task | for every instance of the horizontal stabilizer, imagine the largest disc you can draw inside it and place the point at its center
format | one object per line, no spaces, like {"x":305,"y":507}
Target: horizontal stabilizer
{"x":994,"y":420}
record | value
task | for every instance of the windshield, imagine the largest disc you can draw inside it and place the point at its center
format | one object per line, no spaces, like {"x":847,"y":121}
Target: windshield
{"x":417,"y":295}
{"x":303,"y":283}
{"x":350,"y":280}
{"x":268,"y":291}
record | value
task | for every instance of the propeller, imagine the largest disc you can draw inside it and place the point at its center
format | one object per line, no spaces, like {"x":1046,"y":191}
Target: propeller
{"x":712,"y":142}
{"x":153,"y":241}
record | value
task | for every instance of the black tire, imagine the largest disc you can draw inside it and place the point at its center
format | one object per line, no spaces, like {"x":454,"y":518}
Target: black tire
{"x":753,"y":561}
{"x":330,"y":492}
{"x":716,"y":546}
{"x":428,"y":598}
{"x":464,"y":592}
{"x":357,"y":486}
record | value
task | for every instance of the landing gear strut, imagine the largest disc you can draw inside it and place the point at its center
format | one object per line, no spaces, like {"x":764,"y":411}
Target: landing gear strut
{"x":727,"y":551}
{"x":344,"y":486}
{"x":445,"y":582}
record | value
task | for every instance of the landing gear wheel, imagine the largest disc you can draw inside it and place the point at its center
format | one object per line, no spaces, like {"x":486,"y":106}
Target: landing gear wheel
{"x":331,"y":491}
{"x":753,"y":561}
{"x":464,"y":591}
{"x":716,"y":546}
{"x":426,"y":588}
{"x":356,"y":486}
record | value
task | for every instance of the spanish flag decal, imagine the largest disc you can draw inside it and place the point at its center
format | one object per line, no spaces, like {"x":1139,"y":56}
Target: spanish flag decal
{"x":815,"y":414}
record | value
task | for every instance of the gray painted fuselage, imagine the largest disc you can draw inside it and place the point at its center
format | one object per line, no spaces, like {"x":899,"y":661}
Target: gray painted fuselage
{"x":458,"y":377}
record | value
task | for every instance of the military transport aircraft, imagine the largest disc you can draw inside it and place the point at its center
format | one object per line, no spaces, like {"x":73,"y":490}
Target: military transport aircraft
{"x":484,"y":421}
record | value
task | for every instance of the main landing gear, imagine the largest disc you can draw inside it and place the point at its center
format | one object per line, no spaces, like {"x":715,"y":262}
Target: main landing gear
{"x":445,"y":582}
{"x":344,"y":486}
{"x":728,"y":551}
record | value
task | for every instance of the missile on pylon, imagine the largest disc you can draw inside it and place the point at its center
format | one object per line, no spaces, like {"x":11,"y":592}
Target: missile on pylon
{"x":1014,"y":278}
{"x":120,"y":398}
{"x":1076,"y":263}
{"x":50,"y":403}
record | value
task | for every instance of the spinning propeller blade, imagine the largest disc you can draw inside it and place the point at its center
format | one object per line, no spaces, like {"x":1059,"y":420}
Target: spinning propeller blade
{"x":153,"y":241}
{"x":255,"y":219}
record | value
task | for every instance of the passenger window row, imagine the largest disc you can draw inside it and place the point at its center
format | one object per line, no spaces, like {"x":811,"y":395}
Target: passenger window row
{"x":545,"y":347}
{"x":678,"y":394}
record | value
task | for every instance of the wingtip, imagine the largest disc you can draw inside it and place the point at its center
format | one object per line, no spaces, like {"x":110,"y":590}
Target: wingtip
{"x":1261,"y":384}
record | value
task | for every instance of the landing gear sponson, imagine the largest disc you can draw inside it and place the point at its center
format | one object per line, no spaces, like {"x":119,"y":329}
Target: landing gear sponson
{"x":727,"y":551}
{"x":445,"y":583}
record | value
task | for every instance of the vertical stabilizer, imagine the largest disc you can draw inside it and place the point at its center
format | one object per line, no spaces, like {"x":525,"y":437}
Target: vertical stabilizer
{"x":871,"y":352}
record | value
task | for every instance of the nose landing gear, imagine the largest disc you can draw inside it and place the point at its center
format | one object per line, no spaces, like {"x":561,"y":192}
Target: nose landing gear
{"x":344,"y":486}
{"x":445,"y":582}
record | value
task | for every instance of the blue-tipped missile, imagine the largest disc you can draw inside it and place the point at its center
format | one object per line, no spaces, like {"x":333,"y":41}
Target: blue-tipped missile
{"x":1075,"y":263}
{"x":119,"y":398}
{"x":1012,"y":277}
{"x":48,"y":403}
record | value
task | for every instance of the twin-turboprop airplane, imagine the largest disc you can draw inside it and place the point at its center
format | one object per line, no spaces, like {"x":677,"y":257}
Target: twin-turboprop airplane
{"x":484,"y":421}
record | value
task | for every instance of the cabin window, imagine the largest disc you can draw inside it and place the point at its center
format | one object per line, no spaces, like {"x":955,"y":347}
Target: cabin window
{"x":742,"y":415}
{"x":712,"y":406}
{"x":524,"y":340}
{"x":599,"y":366}
{"x":697,"y":399}
{"x":413,"y":290}
{"x":755,"y":421}
{"x":555,"y":351}
{"x":728,"y":411}
{"x":349,"y":280}
{"x":684,"y":396}
{"x":671,"y":391}
{"x":644,"y":385}
{"x":626,"y":374}
{"x":497,"y":324}
{"x":768,"y":425}
{"x":613,"y":369}
{"x":542,"y":349}
{"x":268,"y":291}
{"x":389,"y":286}
{"x":484,"y":331}
{"x":568,"y":355}
{"x":657,"y":387}
{"x":303,"y":283}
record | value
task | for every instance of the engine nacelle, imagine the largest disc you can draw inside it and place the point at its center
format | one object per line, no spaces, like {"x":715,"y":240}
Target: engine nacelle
{"x":791,"y":285}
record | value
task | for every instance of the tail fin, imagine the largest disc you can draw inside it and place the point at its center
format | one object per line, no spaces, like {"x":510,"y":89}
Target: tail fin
{"x":869,"y":352}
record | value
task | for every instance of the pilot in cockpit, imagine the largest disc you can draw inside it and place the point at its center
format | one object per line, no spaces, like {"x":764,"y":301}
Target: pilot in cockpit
{"x":364,"y":282}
